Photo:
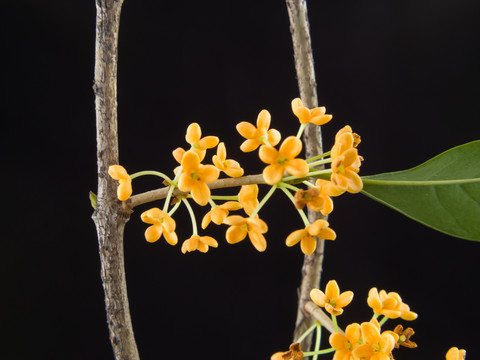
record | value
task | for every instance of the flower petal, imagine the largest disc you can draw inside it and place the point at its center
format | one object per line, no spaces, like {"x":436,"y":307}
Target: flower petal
{"x":332,"y":290}
{"x":295,"y":237}
{"x":318,"y":297}
{"x":297,"y":168}
{"x":190,"y":161}
{"x":235,"y":234}
{"x":153,"y":233}
{"x":247,"y":130}
{"x":170,"y":237}
{"x":258,"y":240}
{"x":268,"y":154}
{"x":250,"y":145}
{"x":308,"y":245}
{"x":208,"y":173}
{"x":200,"y":193}
{"x":263,"y":121}
{"x":194,"y":133}
{"x":208,"y":142}
{"x":291,"y":147}
{"x":273,"y":174}
{"x":273,"y":137}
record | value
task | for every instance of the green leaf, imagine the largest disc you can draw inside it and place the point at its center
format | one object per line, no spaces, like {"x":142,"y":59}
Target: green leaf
{"x":442,"y":193}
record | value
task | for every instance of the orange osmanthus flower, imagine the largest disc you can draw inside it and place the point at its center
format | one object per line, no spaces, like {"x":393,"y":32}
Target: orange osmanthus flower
{"x":456,"y":354}
{"x":344,"y":139}
{"x":240,"y":227}
{"x":375,"y":346}
{"x":228,"y":166}
{"x":195,"y":176}
{"x":162,"y":224}
{"x":390,"y":305}
{"x":283,"y":160}
{"x":345,"y":169}
{"x":200,"y":243}
{"x":219,"y":213}
{"x":259,"y":135}
{"x":345,"y":344}
{"x":307,"y":237}
{"x":331,"y":300}
{"x":305,"y":115}
{"x":199,"y":144}
{"x":124,"y":189}
{"x":248,"y":198}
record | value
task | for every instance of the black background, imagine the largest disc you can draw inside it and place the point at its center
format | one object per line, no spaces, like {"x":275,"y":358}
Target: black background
{"x":403,"y":74}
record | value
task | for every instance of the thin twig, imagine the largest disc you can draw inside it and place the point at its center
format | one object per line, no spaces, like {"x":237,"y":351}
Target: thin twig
{"x":312,"y":266}
{"x":109,"y":216}
{"x":159,"y":194}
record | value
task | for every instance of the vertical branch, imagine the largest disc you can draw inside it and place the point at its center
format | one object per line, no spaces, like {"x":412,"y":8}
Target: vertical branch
{"x":312,"y":265}
{"x":109,"y":217}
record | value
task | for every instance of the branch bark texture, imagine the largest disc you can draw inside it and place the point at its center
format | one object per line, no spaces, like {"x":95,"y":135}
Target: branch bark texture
{"x":312,"y":266}
{"x":109,"y":216}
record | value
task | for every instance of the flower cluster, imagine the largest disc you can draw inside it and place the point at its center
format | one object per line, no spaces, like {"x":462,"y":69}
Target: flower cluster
{"x":285,"y":169}
{"x":364,"y":341}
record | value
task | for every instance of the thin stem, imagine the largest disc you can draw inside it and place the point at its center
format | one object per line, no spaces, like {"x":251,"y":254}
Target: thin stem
{"x":320,"y":156}
{"x":317,"y":341}
{"x":192,"y":217}
{"x":300,"y":130}
{"x":306,"y":333}
{"x":264,"y":200}
{"x":319,"y":352}
{"x":308,"y":183}
{"x":320,"y":162}
{"x":173,"y":185}
{"x":151,"y":172}
{"x":383,"y":321}
{"x":289,"y":186}
{"x":335,"y":324}
{"x":175,"y":207}
{"x":223,"y":197}
{"x":300,"y":211}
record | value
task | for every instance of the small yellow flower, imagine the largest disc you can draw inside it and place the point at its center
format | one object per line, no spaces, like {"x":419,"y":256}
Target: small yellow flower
{"x":162,"y":224}
{"x":195,"y":176}
{"x":283,"y":160}
{"x":315,"y":116}
{"x":199,"y":144}
{"x":307,"y":237}
{"x":259,"y":135}
{"x":456,"y":354}
{"x":124,"y":189}
{"x":331,"y":300}
{"x":240,"y":227}
{"x":219,"y":213}
{"x":345,"y":169}
{"x":344,"y":139}
{"x":200,"y":243}
{"x":230,"y":167}
{"x":345,"y":344}
{"x":390,"y":305}
{"x":375,"y":346}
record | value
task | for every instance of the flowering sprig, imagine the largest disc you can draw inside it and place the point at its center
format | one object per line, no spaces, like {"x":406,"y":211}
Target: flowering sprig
{"x":285,"y":169}
{"x":359,"y":341}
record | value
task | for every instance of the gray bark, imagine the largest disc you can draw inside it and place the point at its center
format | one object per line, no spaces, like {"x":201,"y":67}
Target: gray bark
{"x":110,"y":217}
{"x":312,"y":138}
